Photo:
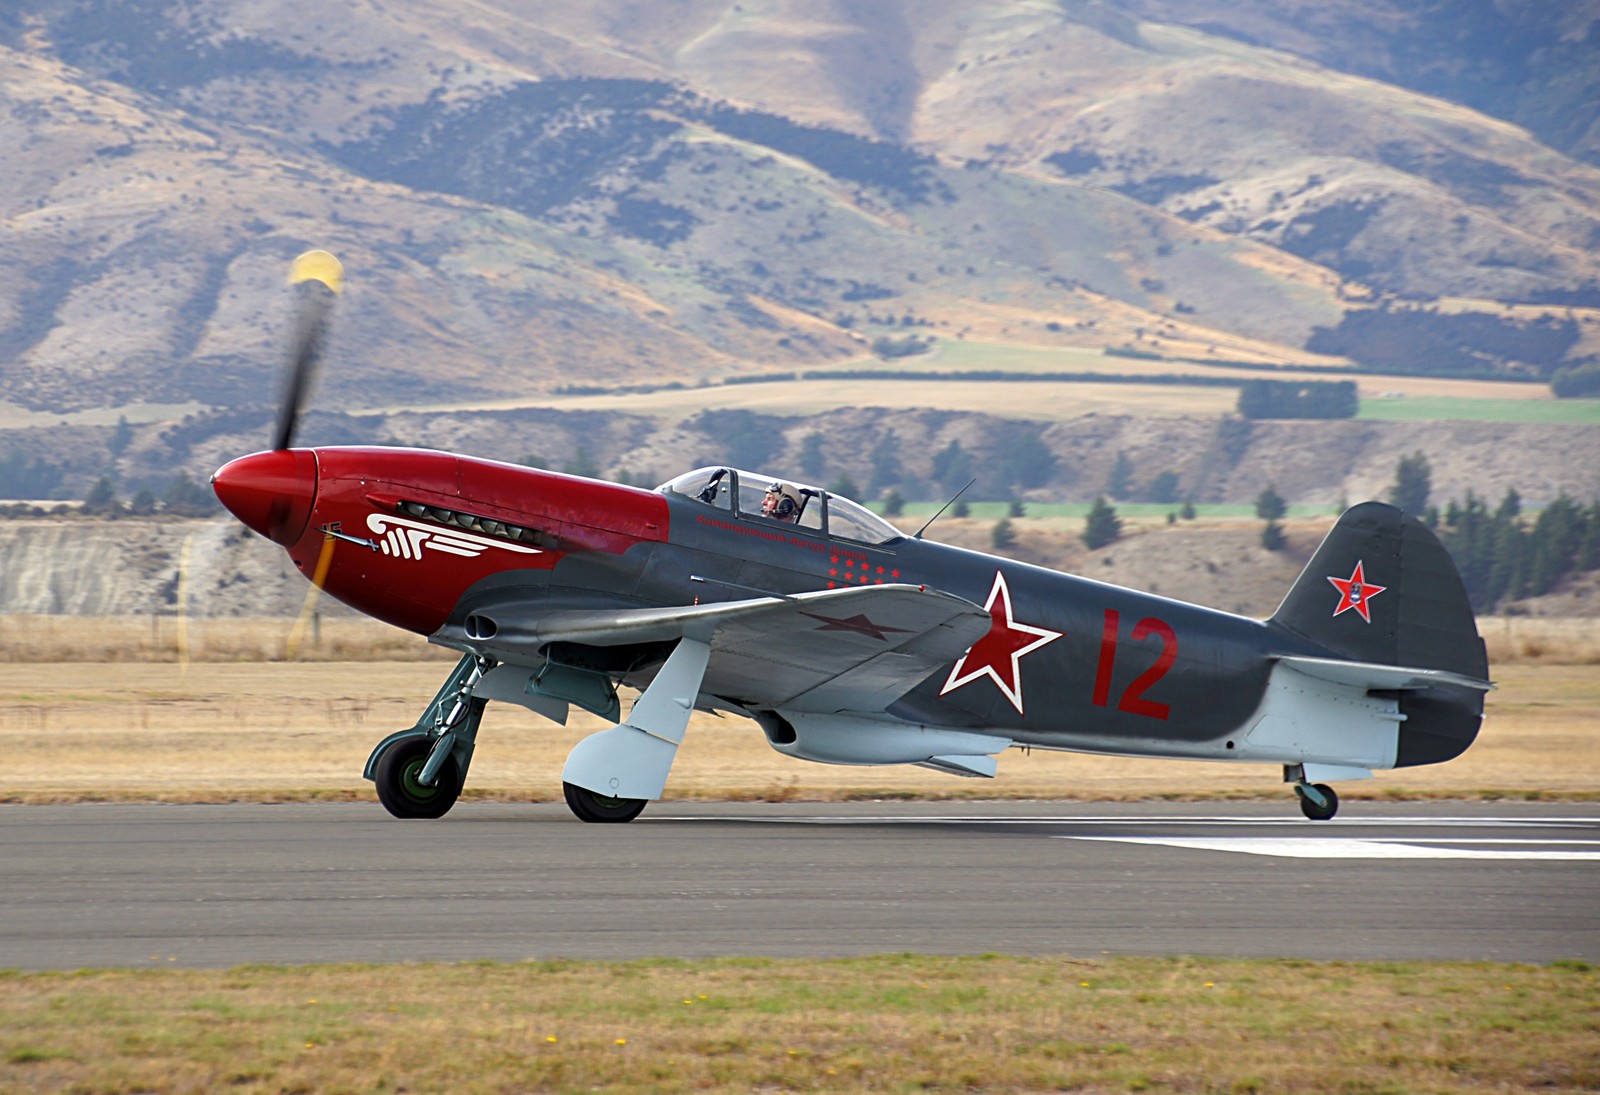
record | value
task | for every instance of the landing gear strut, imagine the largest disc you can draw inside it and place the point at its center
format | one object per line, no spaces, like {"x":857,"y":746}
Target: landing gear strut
{"x":1317,"y":800}
{"x":419,"y":772}
{"x":629,"y":762}
{"x":401,"y":790}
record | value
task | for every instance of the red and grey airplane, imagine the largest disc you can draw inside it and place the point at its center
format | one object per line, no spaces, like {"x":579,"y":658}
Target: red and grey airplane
{"x":844,"y":640}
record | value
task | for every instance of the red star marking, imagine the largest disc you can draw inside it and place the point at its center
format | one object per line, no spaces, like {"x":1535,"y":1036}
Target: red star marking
{"x":1355,"y":592}
{"x":998,"y":655}
{"x":857,"y":623}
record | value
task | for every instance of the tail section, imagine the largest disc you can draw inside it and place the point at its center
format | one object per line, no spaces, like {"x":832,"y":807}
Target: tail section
{"x":1382,"y":591}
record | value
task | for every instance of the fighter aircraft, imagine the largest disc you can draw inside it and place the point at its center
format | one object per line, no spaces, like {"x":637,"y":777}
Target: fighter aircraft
{"x":843,"y":639}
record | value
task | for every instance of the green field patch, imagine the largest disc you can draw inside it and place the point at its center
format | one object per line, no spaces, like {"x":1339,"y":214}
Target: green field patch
{"x":1455,"y":408}
{"x":888,"y":1023}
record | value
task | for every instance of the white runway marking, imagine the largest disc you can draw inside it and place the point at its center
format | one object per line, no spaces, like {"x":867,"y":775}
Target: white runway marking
{"x":1312,"y":847}
{"x":1289,"y":821}
{"x":1400,"y":837}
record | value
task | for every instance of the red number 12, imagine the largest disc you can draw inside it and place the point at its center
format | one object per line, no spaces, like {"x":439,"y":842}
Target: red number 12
{"x":1133,"y":700}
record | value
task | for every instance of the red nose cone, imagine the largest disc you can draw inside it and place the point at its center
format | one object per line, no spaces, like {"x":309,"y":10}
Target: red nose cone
{"x":272,"y":492}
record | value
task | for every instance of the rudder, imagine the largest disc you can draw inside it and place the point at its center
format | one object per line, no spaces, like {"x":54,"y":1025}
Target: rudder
{"x":1382,"y":589}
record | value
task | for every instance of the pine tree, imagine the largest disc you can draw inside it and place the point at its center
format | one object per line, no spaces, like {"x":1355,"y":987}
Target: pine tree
{"x":582,"y":464}
{"x":1589,"y":542}
{"x":813,"y":460}
{"x":1121,"y":477}
{"x":143,"y":503}
{"x":120,"y":437}
{"x":885,"y":460}
{"x":1412,"y":481}
{"x":1101,"y":526}
{"x":845,"y":487}
{"x":1553,"y":546}
{"x":1508,"y":566}
{"x":1017,"y":509}
{"x":1272,"y":536}
{"x":1270,"y":505}
{"x":893,"y":504}
{"x":1004,"y":535}
{"x":1024,"y":461}
{"x":102,"y":497}
{"x":1163,"y":488}
{"x":186,"y":498}
{"x":1187,"y":512}
{"x":1510,"y":506}
{"x":952,"y":467}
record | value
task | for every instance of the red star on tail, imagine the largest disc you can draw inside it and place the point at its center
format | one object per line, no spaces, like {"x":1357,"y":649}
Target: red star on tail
{"x":1356,"y":593}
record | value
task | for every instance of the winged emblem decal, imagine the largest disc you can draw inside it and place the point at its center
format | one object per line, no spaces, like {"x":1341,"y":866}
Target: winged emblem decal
{"x":407,"y":539}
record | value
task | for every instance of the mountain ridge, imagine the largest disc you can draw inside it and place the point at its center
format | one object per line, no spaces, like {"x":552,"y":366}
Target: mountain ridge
{"x":535,"y":195}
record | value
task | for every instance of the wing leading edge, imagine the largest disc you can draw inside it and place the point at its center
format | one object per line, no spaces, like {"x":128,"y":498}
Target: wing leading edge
{"x":832,"y":650}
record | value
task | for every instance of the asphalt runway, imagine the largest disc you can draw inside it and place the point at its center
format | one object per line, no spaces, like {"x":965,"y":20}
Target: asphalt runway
{"x":126,"y":885}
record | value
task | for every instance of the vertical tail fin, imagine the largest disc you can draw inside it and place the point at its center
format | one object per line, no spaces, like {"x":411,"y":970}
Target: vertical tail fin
{"x":1382,"y":589}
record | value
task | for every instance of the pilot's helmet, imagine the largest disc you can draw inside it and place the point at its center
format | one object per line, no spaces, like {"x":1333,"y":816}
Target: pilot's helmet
{"x":786,"y":502}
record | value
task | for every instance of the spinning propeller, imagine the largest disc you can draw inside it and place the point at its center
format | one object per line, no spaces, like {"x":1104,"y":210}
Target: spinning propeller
{"x":273,"y":492}
{"x":316,"y":277}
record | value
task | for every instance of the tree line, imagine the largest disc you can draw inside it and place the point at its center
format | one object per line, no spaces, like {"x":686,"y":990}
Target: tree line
{"x":1503,"y":556}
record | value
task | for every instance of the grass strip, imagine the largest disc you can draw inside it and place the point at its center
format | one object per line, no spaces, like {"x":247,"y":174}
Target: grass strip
{"x":888,"y":1023}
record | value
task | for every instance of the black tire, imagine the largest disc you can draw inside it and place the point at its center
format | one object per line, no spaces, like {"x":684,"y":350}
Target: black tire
{"x":600,"y":809}
{"x":398,"y":789}
{"x":1320,"y":813}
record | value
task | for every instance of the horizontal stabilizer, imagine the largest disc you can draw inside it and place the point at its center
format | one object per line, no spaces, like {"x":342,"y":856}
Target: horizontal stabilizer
{"x":1397,"y":678}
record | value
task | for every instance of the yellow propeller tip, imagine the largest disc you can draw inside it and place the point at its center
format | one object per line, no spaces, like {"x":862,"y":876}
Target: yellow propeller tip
{"x":318,"y":266}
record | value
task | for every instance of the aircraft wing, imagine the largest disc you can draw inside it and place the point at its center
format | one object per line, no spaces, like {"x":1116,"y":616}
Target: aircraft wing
{"x":855,"y":649}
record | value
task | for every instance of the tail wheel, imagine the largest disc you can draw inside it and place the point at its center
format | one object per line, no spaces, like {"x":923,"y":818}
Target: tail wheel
{"x":592,"y":807}
{"x":399,"y":789}
{"x":1319,"y":811}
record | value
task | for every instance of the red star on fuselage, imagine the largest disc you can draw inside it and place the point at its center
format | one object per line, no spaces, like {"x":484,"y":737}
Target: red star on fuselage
{"x":1356,"y":592}
{"x":999,"y":653}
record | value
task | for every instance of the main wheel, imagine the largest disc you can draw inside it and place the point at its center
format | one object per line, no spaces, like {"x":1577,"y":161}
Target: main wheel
{"x":400,"y":792}
{"x":1320,"y":813}
{"x":593,"y":807}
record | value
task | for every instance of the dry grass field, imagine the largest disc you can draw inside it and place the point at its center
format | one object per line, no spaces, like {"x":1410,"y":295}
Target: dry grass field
{"x":1044,"y":399}
{"x":893,"y":1023}
{"x":235,"y":726}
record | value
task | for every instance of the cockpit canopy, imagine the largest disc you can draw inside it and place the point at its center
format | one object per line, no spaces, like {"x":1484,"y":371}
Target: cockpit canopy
{"x":742,"y":493}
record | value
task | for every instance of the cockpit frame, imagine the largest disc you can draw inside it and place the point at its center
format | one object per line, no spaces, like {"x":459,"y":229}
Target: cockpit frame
{"x":823,"y":512}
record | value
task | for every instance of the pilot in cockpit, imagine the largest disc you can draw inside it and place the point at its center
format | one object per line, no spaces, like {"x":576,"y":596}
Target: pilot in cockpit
{"x":782,"y":503}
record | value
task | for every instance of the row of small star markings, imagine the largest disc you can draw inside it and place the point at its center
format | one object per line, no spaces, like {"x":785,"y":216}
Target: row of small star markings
{"x":863,"y":576}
